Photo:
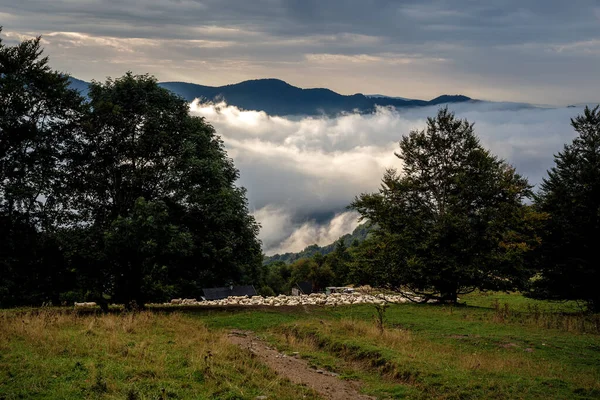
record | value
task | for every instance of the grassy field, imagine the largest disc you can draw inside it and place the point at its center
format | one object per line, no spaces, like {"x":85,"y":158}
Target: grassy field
{"x":499,"y":346}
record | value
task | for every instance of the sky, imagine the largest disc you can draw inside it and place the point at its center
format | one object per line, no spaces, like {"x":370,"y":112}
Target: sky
{"x":538,"y":51}
{"x":302,"y":172}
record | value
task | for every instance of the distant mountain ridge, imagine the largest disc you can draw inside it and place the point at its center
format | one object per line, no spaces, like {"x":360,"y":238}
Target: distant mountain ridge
{"x":276,"y":97}
{"x":79,"y":85}
{"x":377,"y":96}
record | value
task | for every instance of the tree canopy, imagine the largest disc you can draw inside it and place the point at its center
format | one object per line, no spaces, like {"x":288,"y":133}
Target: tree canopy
{"x":452,"y":221}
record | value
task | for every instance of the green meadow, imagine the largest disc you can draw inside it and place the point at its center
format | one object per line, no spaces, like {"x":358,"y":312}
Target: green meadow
{"x":495,"y":346}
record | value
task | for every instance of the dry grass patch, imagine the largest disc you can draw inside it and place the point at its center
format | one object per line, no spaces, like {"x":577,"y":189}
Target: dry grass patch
{"x":58,"y":354}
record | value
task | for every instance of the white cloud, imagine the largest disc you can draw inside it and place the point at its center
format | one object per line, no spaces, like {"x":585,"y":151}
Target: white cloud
{"x":301,"y":172}
{"x":583,"y":47}
{"x":281,"y":235}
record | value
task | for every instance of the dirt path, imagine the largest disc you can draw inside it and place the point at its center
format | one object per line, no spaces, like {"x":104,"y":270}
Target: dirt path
{"x":297,"y":370}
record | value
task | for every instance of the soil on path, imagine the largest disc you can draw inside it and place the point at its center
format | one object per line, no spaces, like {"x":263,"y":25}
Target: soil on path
{"x":327,"y":384}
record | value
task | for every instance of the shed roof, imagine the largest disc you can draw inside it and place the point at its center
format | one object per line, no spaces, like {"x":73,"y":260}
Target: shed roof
{"x":305,"y":286}
{"x":224,"y":292}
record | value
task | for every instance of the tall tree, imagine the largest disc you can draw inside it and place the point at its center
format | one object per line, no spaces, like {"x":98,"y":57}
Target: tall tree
{"x":143,"y":149}
{"x":39,"y":113}
{"x":570,"y":194}
{"x":452,"y":219}
{"x":339,"y":262}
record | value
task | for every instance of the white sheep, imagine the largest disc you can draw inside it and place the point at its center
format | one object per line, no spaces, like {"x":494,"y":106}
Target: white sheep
{"x":85,"y":304}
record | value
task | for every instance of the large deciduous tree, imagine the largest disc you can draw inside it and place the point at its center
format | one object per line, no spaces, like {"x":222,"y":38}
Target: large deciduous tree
{"x":452,"y":221}
{"x":148,"y":178}
{"x":568,"y":256}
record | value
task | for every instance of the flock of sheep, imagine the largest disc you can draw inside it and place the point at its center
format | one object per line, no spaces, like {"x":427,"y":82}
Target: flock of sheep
{"x":314,"y":299}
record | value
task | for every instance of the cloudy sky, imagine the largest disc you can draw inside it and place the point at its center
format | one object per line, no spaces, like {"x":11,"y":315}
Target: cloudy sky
{"x":540,"y":51}
{"x":302,"y":172}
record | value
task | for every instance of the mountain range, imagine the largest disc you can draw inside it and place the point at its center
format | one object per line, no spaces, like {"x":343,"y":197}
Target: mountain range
{"x":276,"y":97}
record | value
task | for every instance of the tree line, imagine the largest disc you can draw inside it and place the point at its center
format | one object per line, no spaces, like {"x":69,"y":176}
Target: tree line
{"x":125,"y":197}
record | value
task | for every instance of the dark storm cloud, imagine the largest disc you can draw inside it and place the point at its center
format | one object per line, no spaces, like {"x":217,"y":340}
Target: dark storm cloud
{"x":416,"y":22}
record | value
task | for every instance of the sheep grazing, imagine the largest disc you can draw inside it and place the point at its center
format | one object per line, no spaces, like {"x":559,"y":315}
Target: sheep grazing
{"x":85,"y":304}
{"x":314,"y":299}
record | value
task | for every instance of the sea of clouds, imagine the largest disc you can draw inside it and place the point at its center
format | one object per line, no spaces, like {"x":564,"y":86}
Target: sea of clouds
{"x":302,"y":172}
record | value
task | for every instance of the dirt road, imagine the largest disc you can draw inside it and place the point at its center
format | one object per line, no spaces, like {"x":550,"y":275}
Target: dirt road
{"x":327,"y":384}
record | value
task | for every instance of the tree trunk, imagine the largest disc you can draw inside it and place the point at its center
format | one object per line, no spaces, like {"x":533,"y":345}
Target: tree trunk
{"x":449,"y":294}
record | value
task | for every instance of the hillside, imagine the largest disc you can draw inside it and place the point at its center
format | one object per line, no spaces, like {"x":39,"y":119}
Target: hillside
{"x":79,"y":85}
{"x":359,"y":234}
{"x":277,"y":97}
